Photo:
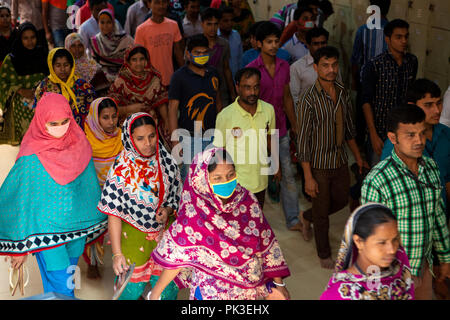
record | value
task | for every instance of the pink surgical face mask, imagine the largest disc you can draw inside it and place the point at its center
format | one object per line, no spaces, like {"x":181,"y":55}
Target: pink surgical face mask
{"x":58,"y":131}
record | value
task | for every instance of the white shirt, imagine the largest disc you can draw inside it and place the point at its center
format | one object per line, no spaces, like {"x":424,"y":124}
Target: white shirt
{"x":191,"y":29}
{"x":445,"y":115}
{"x":296,"y":48}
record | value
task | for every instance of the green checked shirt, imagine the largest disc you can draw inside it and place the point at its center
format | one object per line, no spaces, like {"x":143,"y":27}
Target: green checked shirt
{"x":417,"y":204}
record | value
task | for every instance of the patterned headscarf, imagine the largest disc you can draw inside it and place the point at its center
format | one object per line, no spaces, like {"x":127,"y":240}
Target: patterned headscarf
{"x":85,"y":67}
{"x":137,"y":186}
{"x":231,"y":241}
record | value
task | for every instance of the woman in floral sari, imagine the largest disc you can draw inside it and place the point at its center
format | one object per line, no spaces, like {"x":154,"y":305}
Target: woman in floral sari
{"x":220,"y":246}
{"x":105,"y":139}
{"x":62,"y":80}
{"x":108,"y":47}
{"x":371,"y":264}
{"x":20,"y":72}
{"x":138,"y":88}
{"x":140,"y":195}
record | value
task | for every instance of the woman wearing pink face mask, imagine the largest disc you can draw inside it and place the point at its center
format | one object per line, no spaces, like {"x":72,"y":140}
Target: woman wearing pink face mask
{"x":48,"y":201}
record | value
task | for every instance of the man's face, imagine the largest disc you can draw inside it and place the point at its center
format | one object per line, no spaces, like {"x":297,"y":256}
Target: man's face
{"x":302,"y":21}
{"x":210,"y":27}
{"x":317,"y":43}
{"x":248,"y":89}
{"x":226,"y":23}
{"x":409,"y":139}
{"x":398,"y":42}
{"x":193,"y":9}
{"x":432,"y":108}
{"x":269,"y":45}
{"x":327,"y":69}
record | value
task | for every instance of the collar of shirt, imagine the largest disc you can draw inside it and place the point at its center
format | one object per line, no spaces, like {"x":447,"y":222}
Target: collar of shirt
{"x":337,"y":85}
{"x":233,"y":32}
{"x":309,"y":59}
{"x":296,"y":41}
{"x":245,"y":113}
{"x":191,"y":72}
{"x":403,"y":166}
{"x":143,"y":7}
{"x":189,"y":22}
{"x":260,"y":63}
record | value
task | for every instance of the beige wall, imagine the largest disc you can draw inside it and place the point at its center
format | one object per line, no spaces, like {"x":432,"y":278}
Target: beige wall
{"x":429,"y":31}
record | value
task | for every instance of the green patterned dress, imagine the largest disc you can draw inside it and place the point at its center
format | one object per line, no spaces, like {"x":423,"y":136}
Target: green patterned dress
{"x":17,"y":111}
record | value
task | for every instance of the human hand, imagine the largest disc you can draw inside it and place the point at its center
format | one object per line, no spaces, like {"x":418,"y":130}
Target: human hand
{"x":362,"y":164}
{"x":444,"y":272}
{"x":377,"y":143}
{"x":49,"y":37}
{"x":18,"y":261}
{"x":162,"y":214}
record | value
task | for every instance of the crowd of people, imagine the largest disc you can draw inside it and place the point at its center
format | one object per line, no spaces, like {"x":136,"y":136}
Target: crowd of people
{"x":162,"y":126}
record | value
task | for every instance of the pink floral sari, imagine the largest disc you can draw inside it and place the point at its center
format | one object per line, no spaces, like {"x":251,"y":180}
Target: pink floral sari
{"x":226,"y":251}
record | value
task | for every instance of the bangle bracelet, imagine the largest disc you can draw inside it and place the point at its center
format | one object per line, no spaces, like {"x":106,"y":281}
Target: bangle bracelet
{"x":116,"y":255}
{"x":279,"y":284}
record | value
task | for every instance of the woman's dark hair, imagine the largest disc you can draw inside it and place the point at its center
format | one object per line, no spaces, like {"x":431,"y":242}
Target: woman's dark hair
{"x":371,"y":218}
{"x":420,"y":87}
{"x":107,"y":103}
{"x":138,"y":50}
{"x":141,"y":122}
{"x":406,"y":114}
{"x":327,"y":52}
{"x":197,"y":40}
{"x":221,"y":156}
{"x":394,"y":24}
{"x":63,"y":53}
{"x":267,"y":29}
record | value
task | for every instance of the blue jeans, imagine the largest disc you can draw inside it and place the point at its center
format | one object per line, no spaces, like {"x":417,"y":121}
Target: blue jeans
{"x":288,"y":185}
{"x":59,"y":36}
{"x":203,"y":142}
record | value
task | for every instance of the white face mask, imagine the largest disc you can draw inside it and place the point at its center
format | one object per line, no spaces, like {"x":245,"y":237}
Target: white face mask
{"x":58,"y":131}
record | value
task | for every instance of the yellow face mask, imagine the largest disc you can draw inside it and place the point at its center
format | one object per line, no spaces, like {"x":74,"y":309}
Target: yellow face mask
{"x":200,"y":60}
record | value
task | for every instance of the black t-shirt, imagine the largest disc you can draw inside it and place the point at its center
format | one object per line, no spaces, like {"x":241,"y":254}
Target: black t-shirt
{"x":197,"y":96}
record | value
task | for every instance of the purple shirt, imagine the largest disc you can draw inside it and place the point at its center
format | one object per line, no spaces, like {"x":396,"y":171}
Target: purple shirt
{"x":272,"y":89}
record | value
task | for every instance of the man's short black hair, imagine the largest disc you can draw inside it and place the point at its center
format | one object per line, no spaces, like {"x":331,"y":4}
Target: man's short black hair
{"x":254,"y":27}
{"x":420,"y":87}
{"x":394,"y":24}
{"x":209,"y":13}
{"x":225,"y":10}
{"x":267,"y":29}
{"x":299,"y":11}
{"x":93,"y":3}
{"x":327,"y":52}
{"x":383,"y":4}
{"x":185,"y":3}
{"x":326,"y":7}
{"x":197,"y":40}
{"x":406,"y":114}
{"x":306,"y":3}
{"x":315,"y":33}
{"x":247,"y":73}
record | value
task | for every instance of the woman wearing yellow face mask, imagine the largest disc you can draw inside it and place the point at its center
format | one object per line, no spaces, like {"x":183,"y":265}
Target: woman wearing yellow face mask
{"x":62,"y":80}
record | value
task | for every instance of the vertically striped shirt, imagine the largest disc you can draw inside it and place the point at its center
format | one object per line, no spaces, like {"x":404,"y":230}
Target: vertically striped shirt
{"x":417,"y":204}
{"x":316,"y":122}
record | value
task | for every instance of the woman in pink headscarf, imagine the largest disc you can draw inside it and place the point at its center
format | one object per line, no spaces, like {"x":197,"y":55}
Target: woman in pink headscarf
{"x":48,"y":202}
{"x":220,"y":245}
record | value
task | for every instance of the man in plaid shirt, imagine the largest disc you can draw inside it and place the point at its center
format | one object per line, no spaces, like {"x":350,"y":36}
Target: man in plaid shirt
{"x":409,"y":184}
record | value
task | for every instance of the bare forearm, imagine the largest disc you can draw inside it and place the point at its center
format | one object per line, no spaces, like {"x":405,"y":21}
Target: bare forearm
{"x":115,"y":231}
{"x":368,"y":115}
{"x":354,"y":149}
{"x":307,"y":170}
{"x":167,"y":275}
{"x":44,"y":13}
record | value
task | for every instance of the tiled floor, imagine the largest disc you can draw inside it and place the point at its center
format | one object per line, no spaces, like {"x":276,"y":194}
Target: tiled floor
{"x":306,"y":282}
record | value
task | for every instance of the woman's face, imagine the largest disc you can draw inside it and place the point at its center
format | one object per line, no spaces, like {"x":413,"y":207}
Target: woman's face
{"x":145,"y":139}
{"x":108,"y":119}
{"x":58,"y":128}
{"x":62,"y":68}
{"x":138,"y":62}
{"x":5,"y":19}
{"x":223,"y":172}
{"x":105,"y":24}
{"x":29,"y":39}
{"x":380,"y":248}
{"x":77,"y":49}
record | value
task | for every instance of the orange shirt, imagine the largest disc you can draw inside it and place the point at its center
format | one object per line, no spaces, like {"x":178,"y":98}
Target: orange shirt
{"x":159,"y":38}
{"x":60,"y":4}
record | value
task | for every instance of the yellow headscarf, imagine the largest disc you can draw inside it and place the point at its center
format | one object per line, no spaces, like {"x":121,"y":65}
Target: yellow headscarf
{"x":66,"y":87}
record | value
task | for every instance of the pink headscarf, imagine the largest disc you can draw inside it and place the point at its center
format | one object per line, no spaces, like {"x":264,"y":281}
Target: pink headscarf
{"x":63,"y":158}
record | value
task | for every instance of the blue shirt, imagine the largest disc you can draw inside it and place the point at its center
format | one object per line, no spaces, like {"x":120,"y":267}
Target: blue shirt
{"x":251,"y":55}
{"x":438,"y":149}
{"x":236,"y":51}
